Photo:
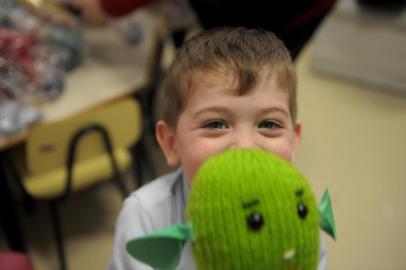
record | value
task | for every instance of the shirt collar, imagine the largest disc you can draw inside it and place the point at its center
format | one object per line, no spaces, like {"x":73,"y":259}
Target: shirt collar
{"x":185,"y":189}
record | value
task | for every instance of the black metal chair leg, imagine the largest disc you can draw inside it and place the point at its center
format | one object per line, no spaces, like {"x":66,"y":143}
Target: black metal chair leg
{"x":119,"y":180}
{"x":137,"y":164}
{"x":28,"y":201}
{"x":57,"y":228}
{"x":8,"y":213}
{"x":143,"y":163}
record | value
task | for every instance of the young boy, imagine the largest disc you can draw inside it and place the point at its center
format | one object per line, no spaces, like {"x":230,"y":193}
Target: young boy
{"x":228,"y":87}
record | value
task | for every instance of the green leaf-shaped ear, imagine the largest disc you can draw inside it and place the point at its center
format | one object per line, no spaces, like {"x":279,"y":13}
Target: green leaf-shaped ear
{"x":327,"y":216}
{"x":162,"y":249}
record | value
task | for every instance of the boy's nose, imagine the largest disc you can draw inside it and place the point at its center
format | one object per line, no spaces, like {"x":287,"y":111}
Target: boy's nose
{"x":244,"y":140}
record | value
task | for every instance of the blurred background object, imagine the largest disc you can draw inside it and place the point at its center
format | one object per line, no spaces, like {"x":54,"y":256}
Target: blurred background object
{"x":383,"y":5}
{"x":109,"y":70}
{"x":364,"y":41}
{"x":292,"y":21}
{"x":39,"y":43}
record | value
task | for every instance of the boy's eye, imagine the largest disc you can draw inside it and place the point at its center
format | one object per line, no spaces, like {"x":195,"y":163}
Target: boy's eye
{"x":268,"y":124}
{"x":215,"y":124}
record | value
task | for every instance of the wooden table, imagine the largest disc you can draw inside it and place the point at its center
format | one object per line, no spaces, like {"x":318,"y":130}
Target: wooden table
{"x":110,"y":70}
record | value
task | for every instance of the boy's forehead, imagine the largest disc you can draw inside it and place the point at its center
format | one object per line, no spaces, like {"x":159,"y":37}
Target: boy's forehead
{"x":205,"y":89}
{"x":212,"y":78}
{"x":226,"y":82}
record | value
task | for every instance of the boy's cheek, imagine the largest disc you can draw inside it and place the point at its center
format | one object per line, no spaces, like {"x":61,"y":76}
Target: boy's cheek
{"x":189,"y":172}
{"x":286,"y":152}
{"x":192,"y":162}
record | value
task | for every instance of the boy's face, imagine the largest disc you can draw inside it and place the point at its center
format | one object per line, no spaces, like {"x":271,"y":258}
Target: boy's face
{"x":214,"y":120}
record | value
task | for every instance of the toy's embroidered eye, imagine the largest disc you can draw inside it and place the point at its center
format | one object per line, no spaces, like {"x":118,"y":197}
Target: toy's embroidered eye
{"x":302,"y":210}
{"x":255,"y":221}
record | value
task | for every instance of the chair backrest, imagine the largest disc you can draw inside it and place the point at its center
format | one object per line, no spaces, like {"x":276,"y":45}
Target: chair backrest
{"x":48,"y":143}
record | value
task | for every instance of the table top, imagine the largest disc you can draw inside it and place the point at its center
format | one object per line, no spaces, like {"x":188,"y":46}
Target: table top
{"x":354,"y":144}
{"x":110,"y":70}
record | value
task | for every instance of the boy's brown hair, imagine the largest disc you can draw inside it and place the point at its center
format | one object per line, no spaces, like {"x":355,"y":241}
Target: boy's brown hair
{"x":243,"y":52}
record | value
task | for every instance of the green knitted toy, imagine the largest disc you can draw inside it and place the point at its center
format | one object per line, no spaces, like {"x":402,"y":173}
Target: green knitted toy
{"x":247,"y":209}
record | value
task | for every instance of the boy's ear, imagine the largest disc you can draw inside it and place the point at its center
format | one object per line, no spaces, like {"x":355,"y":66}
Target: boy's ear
{"x":327,"y":222}
{"x":166,"y":139}
{"x":162,"y":249}
{"x":297,"y":133}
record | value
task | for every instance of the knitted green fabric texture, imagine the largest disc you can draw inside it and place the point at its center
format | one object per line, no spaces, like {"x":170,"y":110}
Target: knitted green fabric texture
{"x":253,"y":210}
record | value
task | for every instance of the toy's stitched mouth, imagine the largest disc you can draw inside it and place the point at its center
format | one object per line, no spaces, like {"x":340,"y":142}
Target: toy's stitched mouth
{"x":289,"y":254}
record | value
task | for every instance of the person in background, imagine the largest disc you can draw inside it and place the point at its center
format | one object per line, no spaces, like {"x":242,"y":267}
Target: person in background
{"x":292,"y":21}
{"x":227,"y":88}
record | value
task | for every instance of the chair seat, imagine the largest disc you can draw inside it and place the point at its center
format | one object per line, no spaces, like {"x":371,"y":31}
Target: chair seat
{"x":51,"y":184}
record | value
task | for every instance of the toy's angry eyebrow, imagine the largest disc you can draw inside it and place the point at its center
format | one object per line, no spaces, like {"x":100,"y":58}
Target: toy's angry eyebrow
{"x":299,"y":192}
{"x":250,"y":203}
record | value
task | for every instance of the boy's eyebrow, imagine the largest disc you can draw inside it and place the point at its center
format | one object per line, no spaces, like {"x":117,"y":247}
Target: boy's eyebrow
{"x":225,"y":109}
{"x":212,"y":109}
{"x":250,"y":204}
{"x":275,"y":109}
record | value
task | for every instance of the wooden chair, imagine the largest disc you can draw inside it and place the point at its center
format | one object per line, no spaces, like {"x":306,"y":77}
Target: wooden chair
{"x":73,"y":154}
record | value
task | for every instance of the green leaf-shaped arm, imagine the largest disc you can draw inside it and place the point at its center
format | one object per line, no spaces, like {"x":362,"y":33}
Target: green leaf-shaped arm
{"x":162,"y":249}
{"x":327,"y":216}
